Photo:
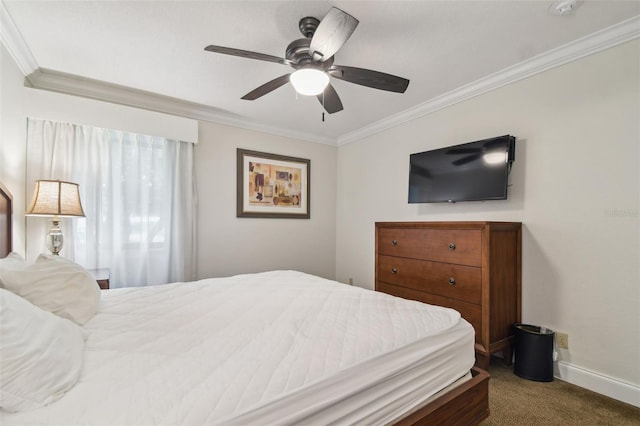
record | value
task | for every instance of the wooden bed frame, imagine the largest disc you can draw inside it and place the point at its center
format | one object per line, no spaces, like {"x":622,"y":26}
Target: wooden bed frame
{"x":6,"y":210}
{"x":467,"y":404}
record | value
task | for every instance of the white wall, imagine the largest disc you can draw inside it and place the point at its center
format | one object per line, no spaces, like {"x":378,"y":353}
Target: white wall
{"x":229,"y":245}
{"x":13,"y":141}
{"x":575,"y":188}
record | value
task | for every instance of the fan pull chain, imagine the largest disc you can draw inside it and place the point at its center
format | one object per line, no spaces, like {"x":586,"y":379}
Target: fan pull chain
{"x":323,"y":106}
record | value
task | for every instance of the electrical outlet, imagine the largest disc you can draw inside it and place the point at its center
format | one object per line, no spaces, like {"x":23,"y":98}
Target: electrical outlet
{"x":350,"y":281}
{"x":562,"y":340}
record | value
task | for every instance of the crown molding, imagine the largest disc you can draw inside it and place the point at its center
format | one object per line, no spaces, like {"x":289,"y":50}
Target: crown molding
{"x":14,"y":42}
{"x":70,"y":84}
{"x":609,"y":37}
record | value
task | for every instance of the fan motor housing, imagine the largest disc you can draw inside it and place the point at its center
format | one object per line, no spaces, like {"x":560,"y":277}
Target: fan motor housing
{"x":298,"y":53}
{"x":308,"y":26}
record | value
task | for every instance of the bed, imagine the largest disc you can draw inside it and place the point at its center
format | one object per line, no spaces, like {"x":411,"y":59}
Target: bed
{"x":280,"y":347}
{"x":6,"y":207}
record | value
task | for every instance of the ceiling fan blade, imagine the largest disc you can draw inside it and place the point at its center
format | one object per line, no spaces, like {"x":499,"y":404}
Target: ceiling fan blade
{"x":266,"y":88}
{"x":421,"y":171}
{"x":460,"y":151}
{"x":334,"y":30}
{"x":493,"y":142}
{"x":330,"y":100}
{"x":247,"y":54}
{"x":464,"y":160}
{"x":369,"y":78}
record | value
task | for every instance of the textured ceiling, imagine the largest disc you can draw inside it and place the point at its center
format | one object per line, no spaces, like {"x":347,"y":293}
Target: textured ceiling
{"x":157,"y":47}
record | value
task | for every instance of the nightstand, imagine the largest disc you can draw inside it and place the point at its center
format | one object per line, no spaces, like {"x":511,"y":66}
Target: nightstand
{"x":101,"y":276}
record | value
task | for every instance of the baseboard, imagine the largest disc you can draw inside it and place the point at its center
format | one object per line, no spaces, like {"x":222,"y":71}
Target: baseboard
{"x":613,"y":388}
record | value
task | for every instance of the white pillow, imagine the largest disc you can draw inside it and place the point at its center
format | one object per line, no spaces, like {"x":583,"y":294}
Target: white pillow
{"x":57,"y":285}
{"x":40,"y":354}
{"x":13,"y":262}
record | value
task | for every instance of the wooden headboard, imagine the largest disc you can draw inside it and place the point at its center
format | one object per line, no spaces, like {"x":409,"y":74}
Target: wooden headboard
{"x":6,"y":208}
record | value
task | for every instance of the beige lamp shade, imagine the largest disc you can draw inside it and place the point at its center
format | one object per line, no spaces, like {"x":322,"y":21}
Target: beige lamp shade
{"x":55,"y":198}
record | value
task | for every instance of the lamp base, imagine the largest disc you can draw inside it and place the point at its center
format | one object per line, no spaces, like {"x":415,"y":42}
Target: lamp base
{"x":55,"y":240}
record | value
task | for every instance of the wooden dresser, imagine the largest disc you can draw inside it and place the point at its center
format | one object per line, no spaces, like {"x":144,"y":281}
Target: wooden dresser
{"x":472,"y":267}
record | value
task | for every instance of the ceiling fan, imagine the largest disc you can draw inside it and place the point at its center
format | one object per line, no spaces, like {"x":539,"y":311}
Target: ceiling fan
{"x":312,"y":59}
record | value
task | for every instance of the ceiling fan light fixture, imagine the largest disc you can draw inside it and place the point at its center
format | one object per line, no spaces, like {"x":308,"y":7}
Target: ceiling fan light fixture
{"x":495,"y":157}
{"x":309,"y":81}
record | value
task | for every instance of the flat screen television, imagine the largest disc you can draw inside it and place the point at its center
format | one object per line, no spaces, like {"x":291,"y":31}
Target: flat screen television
{"x":473,"y":171}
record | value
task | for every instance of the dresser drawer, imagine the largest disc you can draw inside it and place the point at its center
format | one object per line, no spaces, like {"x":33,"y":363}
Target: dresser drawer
{"x":469,"y":311}
{"x":442,"y":279}
{"x":460,"y":246}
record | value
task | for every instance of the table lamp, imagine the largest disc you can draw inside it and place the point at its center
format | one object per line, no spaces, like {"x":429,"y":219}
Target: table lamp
{"x":57,"y":199}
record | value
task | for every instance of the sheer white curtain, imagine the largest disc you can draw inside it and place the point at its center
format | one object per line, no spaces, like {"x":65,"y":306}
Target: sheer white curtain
{"x":138,"y":194}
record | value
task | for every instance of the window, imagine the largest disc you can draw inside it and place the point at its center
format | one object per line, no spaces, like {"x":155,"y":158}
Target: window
{"x":138,"y":194}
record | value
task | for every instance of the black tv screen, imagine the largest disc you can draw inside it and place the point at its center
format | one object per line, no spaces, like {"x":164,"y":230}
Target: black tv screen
{"x":472,"y":171}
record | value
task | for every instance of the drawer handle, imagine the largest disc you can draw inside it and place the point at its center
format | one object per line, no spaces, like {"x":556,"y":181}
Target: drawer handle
{"x":394,"y":242}
{"x":394,"y":271}
{"x":452,"y":281}
{"x":452,"y":246}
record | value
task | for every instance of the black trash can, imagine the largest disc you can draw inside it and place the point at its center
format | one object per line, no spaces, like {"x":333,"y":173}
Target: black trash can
{"x":534,"y":352}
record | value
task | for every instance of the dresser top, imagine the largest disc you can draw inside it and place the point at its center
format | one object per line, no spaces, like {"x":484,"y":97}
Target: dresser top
{"x":453,"y":225}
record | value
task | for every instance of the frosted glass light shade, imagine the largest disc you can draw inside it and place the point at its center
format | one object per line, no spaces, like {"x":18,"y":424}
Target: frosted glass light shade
{"x":495,"y":157}
{"x":55,"y":198}
{"x":309,"y":81}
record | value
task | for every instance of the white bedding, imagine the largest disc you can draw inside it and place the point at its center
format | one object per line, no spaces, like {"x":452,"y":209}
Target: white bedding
{"x":279,"y":347}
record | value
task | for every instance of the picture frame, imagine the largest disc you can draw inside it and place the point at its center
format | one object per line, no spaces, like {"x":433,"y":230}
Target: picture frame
{"x":273,"y":186}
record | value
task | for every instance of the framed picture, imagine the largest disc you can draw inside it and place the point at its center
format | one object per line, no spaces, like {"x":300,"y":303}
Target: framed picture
{"x":273,"y":186}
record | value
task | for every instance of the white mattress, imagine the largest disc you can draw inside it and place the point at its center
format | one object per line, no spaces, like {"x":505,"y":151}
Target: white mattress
{"x":279,"y":347}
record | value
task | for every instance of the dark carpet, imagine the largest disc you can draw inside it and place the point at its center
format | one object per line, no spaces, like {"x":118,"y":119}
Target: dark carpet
{"x":517,"y":401}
